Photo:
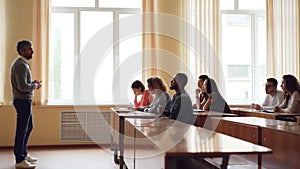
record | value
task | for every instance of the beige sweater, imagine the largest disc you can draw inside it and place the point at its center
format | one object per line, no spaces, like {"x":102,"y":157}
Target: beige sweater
{"x":291,"y":105}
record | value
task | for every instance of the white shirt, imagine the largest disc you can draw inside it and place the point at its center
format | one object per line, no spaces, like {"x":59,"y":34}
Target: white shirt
{"x":291,"y":105}
{"x":23,"y":58}
{"x":272,"y":101}
{"x":160,"y":100}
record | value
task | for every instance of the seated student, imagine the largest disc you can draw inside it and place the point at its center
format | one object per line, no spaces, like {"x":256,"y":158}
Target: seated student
{"x":291,"y":88}
{"x":201,"y":97}
{"x":139,"y":89}
{"x":215,"y":101}
{"x":180,"y":107}
{"x":274,"y":97}
{"x":158,"y":90}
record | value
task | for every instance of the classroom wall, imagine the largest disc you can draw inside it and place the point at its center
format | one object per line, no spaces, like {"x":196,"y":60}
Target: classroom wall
{"x":170,"y":46}
{"x":19,"y":27}
{"x":18,"y":24}
{"x":46,"y":124}
{"x":47,"y":118}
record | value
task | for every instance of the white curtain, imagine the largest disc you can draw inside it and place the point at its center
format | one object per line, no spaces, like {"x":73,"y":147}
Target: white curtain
{"x":204,"y":16}
{"x":41,"y":47}
{"x":149,"y":40}
{"x":2,"y":66}
{"x":282,"y":38}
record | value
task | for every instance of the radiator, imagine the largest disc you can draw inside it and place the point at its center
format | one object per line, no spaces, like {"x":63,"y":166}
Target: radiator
{"x":85,"y":126}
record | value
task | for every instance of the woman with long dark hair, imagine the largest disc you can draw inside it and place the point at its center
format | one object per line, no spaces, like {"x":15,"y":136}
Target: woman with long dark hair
{"x":291,"y":89}
{"x":215,"y":101}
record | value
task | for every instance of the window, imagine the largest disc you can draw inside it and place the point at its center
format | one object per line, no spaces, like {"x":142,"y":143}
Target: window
{"x":243,"y":48}
{"x":74,"y":27}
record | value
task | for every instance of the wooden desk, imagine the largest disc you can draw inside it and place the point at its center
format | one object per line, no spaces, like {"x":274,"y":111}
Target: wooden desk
{"x":182,"y":140}
{"x":246,"y":128}
{"x":114,"y":123}
{"x":298,"y":119}
{"x":247,"y":112}
{"x":256,"y":121}
{"x":119,"y":117}
{"x":278,"y":135}
{"x":203,"y":119}
{"x":161,"y":122}
{"x":284,"y":140}
{"x":144,"y":153}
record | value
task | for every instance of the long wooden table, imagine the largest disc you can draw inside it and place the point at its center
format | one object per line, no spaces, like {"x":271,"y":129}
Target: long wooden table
{"x":247,"y":112}
{"x":119,"y":116}
{"x":282,"y":136}
{"x":144,"y":153}
{"x":203,"y":119}
{"x":178,"y":139}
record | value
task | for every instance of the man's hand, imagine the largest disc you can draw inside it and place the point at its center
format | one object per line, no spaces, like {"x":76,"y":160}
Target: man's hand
{"x":276,"y":109}
{"x":256,"y":106}
{"x":39,"y":83}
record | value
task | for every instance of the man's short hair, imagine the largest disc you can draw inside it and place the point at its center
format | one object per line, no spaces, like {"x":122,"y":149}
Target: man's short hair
{"x":22,"y":45}
{"x":273,"y":81}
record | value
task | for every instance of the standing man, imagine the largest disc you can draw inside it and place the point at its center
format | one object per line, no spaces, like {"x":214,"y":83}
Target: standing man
{"x":274,"y":97}
{"x":22,"y":91}
{"x":180,"y":107}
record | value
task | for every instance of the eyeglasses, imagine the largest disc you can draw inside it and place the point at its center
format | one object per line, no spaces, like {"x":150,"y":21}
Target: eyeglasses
{"x":269,"y":86}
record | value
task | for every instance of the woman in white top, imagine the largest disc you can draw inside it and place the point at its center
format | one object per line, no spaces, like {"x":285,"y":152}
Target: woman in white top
{"x":158,"y":90}
{"x":291,"y":102}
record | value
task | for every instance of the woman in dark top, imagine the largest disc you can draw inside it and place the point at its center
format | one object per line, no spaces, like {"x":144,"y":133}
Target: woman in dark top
{"x":215,"y":101}
{"x":201,"y":97}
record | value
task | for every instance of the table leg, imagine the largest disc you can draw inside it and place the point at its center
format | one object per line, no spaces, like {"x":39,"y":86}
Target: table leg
{"x":259,"y":160}
{"x":225,"y":162}
{"x":112,"y":145}
{"x":116,"y":159}
{"x":121,"y":141}
{"x":170,"y":163}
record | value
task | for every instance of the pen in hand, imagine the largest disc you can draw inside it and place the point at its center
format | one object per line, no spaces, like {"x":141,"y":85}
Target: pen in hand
{"x":37,"y":81}
{"x":39,"y":85}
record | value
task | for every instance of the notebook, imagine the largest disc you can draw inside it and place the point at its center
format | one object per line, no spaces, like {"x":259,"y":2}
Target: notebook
{"x":268,"y":111}
{"x":198,"y":110}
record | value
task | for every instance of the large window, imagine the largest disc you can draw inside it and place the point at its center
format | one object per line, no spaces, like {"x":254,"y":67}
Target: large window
{"x":243,"y":50}
{"x":75,"y":27}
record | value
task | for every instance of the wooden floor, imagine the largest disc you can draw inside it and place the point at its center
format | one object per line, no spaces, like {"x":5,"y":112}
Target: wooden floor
{"x":83,"y":157}
{"x":91,"y":157}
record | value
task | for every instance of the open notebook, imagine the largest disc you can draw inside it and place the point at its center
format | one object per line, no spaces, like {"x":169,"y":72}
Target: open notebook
{"x":268,"y":111}
{"x":198,"y":110}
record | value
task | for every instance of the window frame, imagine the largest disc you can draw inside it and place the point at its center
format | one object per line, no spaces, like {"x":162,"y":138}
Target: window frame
{"x":255,"y":14}
{"x":77,"y":48}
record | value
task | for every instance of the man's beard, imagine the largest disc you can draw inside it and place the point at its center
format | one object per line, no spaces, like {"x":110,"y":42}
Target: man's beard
{"x":173,"y":87}
{"x":28,"y":57}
